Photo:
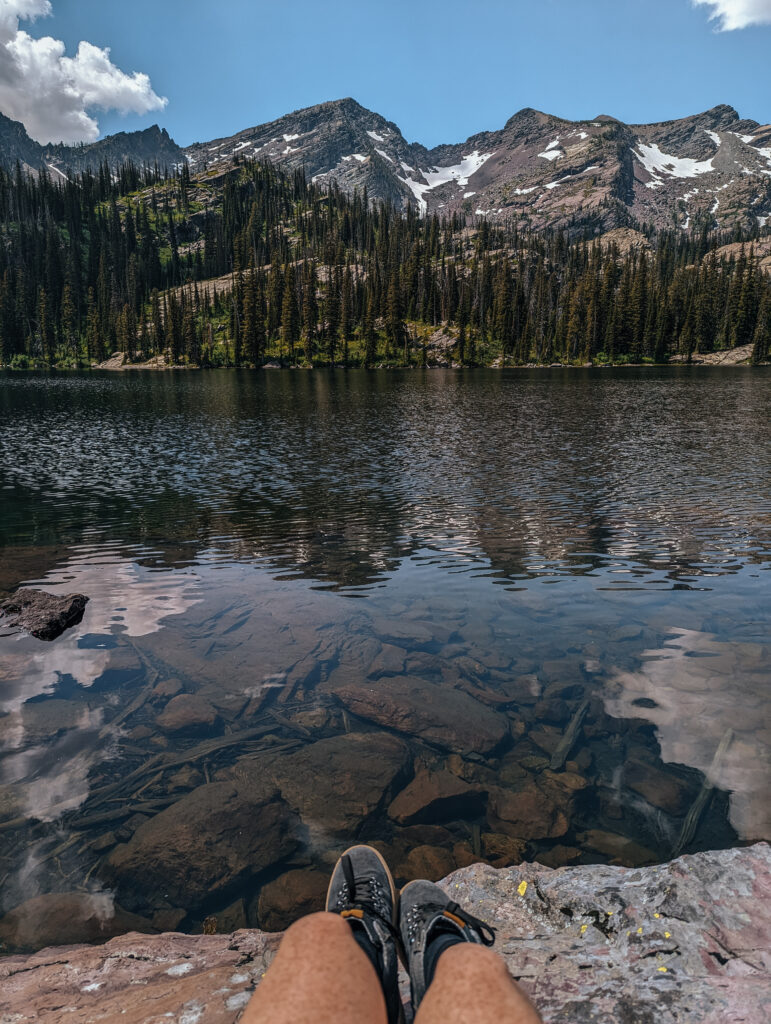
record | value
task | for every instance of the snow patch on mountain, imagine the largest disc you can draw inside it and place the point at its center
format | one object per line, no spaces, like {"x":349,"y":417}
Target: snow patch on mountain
{"x":417,"y":188}
{"x":560,"y":181}
{"x":713,"y":135}
{"x":376,"y":137}
{"x":56,"y":169}
{"x":458,"y":172}
{"x":552,"y":151}
{"x":657,"y":163}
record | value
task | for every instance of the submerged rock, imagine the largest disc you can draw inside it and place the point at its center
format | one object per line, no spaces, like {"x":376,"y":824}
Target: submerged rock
{"x":444,"y":717}
{"x":217,"y":836}
{"x":436,"y":796}
{"x":187,"y":715}
{"x":501,"y":849}
{"x":69,"y":917}
{"x":621,"y":849}
{"x":290,"y":896}
{"x":680,"y":943}
{"x":532,"y":812}
{"x":431,"y":862}
{"x":46,"y":616}
{"x":336,"y":784}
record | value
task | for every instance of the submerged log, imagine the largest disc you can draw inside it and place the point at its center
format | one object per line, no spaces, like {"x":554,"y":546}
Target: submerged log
{"x":693,"y":817}
{"x":565,"y":745}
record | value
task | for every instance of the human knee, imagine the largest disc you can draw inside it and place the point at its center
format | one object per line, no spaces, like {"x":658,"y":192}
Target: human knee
{"x":468,"y":958}
{"x":317,"y":930}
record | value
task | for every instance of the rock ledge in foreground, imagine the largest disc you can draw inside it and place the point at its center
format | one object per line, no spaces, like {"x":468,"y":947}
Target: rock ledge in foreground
{"x":681,"y":942}
{"x":45,"y":616}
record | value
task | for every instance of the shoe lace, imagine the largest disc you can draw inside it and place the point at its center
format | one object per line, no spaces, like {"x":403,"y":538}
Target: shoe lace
{"x":455,"y":913}
{"x":365,"y":895}
{"x":486,"y":931}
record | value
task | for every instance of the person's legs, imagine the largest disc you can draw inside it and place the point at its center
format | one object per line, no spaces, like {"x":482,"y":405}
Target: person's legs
{"x":320,"y":976}
{"x":471,"y":983}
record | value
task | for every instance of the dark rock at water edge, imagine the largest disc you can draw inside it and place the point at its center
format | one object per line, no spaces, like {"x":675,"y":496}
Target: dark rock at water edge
{"x":45,"y":616}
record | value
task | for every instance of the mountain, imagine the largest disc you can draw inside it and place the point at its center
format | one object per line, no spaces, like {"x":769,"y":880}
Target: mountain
{"x":538,"y":170}
{"x":543,"y":170}
{"x":153,"y":145}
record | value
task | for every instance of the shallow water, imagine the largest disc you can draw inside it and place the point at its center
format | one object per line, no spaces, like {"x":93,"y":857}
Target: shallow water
{"x":291,"y":547}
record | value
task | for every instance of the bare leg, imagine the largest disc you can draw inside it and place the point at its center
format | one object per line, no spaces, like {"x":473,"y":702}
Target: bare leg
{"x":471,"y":983}
{"x":319,"y":976}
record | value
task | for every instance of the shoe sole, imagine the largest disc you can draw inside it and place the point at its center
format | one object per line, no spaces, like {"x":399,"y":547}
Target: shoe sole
{"x":394,"y":894}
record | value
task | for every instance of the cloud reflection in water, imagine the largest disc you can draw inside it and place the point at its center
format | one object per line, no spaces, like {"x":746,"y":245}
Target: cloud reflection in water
{"x":693,"y":689}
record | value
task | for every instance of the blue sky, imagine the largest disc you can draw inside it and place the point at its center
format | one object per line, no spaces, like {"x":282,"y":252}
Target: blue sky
{"x":441,"y":69}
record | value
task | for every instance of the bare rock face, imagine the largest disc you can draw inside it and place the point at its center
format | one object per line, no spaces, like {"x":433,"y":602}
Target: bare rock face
{"x":45,"y":616}
{"x":138,"y":979}
{"x":681,"y":943}
{"x":568,"y":175}
{"x":213,"y":838}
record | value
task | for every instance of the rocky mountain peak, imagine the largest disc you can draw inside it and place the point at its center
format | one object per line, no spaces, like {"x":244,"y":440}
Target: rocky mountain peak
{"x":722,"y":116}
{"x":543,"y":171}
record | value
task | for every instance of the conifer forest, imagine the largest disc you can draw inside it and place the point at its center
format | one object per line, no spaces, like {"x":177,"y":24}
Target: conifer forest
{"x":253,"y":265}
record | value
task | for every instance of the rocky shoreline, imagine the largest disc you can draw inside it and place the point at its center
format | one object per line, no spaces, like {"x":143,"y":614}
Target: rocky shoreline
{"x":685,"y":942}
{"x":438,"y":360}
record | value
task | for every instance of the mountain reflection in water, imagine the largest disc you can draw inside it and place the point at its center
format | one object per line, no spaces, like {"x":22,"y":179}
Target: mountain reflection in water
{"x":531,"y":553}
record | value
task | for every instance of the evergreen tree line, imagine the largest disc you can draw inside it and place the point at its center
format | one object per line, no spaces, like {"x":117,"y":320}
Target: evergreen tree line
{"x":253,"y":264}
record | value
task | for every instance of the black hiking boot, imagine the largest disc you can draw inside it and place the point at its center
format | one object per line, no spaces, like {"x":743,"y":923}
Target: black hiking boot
{"x":430,"y":923}
{"x":362,"y":892}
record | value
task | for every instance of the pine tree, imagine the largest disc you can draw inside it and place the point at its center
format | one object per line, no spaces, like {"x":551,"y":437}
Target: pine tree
{"x":289,"y":314}
{"x":394,"y":318}
{"x":310,"y":311}
{"x":761,"y":342}
{"x":370,"y":333}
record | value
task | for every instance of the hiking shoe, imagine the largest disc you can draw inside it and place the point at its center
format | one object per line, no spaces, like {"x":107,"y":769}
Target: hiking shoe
{"x":429,"y":923}
{"x":362,"y":892}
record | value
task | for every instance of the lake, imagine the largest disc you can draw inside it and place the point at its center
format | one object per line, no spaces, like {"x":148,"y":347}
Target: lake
{"x":463,"y":615}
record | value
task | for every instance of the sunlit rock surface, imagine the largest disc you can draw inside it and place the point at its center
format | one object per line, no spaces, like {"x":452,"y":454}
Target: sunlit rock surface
{"x":686,"y":941}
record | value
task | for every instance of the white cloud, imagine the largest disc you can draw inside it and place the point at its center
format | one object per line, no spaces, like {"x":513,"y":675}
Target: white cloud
{"x":54,"y":95}
{"x":733,"y":14}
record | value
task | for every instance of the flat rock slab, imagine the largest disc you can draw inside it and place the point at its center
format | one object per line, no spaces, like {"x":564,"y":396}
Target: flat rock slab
{"x":676,"y":943}
{"x":137,"y":979}
{"x":45,"y":616}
